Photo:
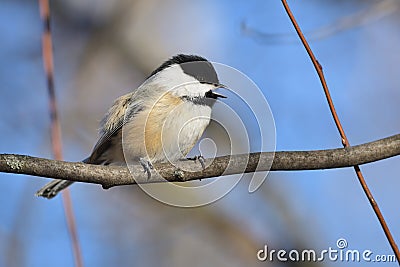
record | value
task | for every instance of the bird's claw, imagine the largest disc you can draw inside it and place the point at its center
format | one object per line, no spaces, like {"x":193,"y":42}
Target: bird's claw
{"x":147,"y":167}
{"x":200,"y":158}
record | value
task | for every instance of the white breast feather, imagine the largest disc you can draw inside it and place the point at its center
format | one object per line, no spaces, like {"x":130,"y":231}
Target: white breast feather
{"x":182,"y":129}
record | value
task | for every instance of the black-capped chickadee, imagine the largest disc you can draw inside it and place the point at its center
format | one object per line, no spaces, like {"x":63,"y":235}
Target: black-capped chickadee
{"x":160,"y":121}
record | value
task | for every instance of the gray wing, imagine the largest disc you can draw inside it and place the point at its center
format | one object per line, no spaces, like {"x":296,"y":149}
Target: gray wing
{"x":111,"y":126}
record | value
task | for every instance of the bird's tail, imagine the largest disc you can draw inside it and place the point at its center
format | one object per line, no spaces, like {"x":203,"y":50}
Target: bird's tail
{"x":52,"y":188}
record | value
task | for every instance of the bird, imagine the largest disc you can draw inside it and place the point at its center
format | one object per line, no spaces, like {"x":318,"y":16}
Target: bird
{"x":158,"y":122}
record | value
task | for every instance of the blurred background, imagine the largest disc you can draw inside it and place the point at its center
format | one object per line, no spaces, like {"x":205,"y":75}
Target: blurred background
{"x":105,"y":48}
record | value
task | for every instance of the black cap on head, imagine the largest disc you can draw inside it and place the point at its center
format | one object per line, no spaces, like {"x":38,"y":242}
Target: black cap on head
{"x":195,"y":66}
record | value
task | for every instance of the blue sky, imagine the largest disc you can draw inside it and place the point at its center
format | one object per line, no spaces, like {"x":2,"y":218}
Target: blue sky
{"x":361,"y":67}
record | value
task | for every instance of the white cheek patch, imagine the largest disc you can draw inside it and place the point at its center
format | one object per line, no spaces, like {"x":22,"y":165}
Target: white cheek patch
{"x":192,"y":90}
{"x":174,"y":80}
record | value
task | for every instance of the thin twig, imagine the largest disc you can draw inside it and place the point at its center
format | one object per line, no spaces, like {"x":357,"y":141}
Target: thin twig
{"x":109,"y":176}
{"x":373,"y":12}
{"x":345,"y":141}
{"x":47,"y":50}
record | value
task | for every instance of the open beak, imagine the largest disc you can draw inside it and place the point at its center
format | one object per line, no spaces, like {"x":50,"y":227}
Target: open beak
{"x":211,"y":94}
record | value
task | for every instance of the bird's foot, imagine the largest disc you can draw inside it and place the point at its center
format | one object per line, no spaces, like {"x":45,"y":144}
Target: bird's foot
{"x":200,"y":158}
{"x":147,"y":166}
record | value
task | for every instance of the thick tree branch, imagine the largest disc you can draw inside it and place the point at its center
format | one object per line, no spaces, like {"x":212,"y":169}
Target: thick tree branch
{"x":109,"y":176}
